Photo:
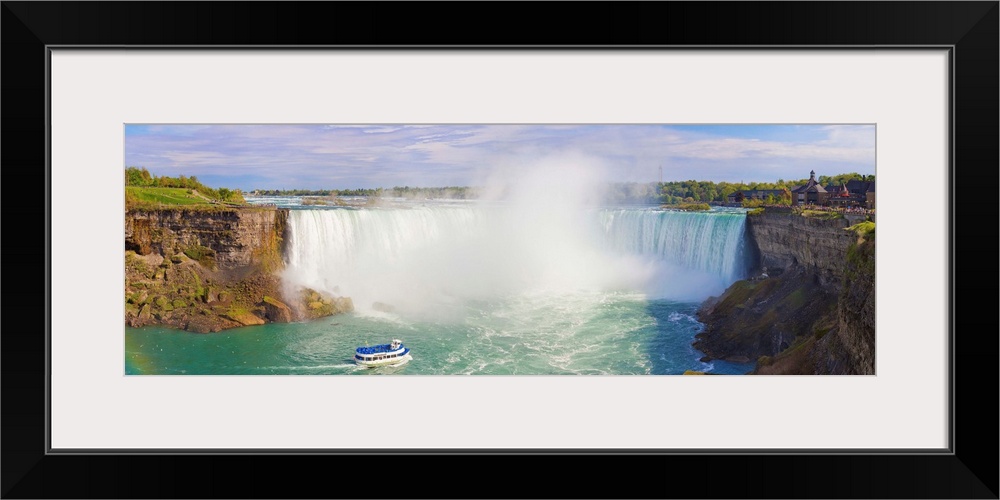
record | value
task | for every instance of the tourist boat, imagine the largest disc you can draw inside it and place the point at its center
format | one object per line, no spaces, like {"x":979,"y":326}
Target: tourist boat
{"x":393,"y":353}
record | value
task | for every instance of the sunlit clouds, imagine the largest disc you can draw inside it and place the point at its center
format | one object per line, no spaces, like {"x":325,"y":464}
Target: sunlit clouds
{"x":386,"y":155}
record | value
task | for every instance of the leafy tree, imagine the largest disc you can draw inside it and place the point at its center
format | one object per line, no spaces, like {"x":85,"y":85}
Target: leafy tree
{"x":137,"y":177}
{"x":140,"y":177}
{"x":786,"y":196}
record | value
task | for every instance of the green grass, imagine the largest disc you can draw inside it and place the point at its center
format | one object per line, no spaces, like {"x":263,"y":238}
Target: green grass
{"x":863,"y":229}
{"x":314,"y":201}
{"x":161,"y":196}
{"x":690,"y":207}
{"x":822,"y":214}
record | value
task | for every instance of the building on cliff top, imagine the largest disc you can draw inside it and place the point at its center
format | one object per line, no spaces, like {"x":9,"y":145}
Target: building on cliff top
{"x":860,"y":193}
{"x":812,"y":193}
{"x":840,"y":196}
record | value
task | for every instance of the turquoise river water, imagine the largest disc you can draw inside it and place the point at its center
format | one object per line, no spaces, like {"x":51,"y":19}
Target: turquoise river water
{"x":482,"y":289}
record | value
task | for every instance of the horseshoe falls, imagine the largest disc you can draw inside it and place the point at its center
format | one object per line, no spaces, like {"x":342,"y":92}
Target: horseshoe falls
{"x":488,"y":288}
{"x":423,"y":259}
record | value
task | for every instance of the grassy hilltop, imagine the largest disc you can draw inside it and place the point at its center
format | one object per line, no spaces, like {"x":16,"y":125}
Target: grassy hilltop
{"x":145,"y":191}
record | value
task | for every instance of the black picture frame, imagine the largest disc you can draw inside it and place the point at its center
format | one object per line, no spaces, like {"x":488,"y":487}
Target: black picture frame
{"x":969,"y":28}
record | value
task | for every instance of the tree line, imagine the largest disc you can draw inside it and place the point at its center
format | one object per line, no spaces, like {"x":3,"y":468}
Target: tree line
{"x":448,"y":192}
{"x":140,"y":177}
{"x":673,"y":192}
{"x":318,"y":192}
{"x":707,"y":191}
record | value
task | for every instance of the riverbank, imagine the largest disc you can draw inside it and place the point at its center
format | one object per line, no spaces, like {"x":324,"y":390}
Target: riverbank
{"x":810,"y":307}
{"x":210,"y":269}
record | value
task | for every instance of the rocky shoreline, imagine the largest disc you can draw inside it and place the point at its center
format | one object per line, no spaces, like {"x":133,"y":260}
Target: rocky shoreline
{"x":207,"y":270}
{"x":810,"y":309}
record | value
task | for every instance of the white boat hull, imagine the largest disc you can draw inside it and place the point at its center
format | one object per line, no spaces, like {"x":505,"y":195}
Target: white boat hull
{"x":385,"y":362}
{"x":391,"y":354}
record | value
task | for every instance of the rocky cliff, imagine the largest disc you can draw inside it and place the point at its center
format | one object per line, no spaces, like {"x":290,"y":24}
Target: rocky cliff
{"x":853,"y":349}
{"x":810,"y":307}
{"x":785,"y":240}
{"x":211,"y":268}
{"x":237,"y":237}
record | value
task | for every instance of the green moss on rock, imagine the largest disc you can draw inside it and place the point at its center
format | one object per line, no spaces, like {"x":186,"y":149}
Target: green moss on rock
{"x":243,"y":316}
{"x":862,"y":229}
{"x":202,"y":255}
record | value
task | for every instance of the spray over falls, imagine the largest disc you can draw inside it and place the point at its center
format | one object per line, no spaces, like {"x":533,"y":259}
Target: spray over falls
{"x":432,"y":258}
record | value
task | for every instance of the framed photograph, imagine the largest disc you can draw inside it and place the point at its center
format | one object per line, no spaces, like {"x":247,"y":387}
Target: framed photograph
{"x":531,"y":248}
{"x":499,"y":249}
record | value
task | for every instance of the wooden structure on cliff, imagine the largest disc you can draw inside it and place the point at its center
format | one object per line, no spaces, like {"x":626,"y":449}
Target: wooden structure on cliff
{"x":812,"y":193}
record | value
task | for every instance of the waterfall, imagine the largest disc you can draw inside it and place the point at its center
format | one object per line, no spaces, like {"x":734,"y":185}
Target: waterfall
{"x":712,"y":242}
{"x":423,"y":256}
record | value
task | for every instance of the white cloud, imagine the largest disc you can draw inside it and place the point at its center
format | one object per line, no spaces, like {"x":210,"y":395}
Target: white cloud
{"x":369,"y":155}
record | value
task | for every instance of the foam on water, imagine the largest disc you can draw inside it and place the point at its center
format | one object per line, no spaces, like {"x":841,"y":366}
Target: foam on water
{"x":484,"y":288}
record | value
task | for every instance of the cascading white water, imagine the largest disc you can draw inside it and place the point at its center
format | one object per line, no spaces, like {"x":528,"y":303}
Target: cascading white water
{"x":710,"y":242}
{"x":433,"y":258}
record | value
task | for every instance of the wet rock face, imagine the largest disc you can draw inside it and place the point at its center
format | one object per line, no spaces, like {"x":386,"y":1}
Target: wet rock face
{"x":786,"y":240}
{"x":814,"y":310}
{"x":856,"y":309}
{"x":276,"y":311}
{"x":209,"y":270}
{"x":764,"y":317}
{"x":236,"y":237}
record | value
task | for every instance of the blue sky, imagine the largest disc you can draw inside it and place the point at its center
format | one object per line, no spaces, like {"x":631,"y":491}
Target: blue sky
{"x":367,"y":156}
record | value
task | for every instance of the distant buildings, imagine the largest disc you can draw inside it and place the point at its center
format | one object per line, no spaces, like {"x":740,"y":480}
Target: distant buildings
{"x":854,"y":193}
{"x":811,"y":193}
{"x":839,"y":196}
{"x":753,"y":194}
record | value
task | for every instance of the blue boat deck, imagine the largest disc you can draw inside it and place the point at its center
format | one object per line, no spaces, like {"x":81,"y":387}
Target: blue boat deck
{"x":379,"y":349}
